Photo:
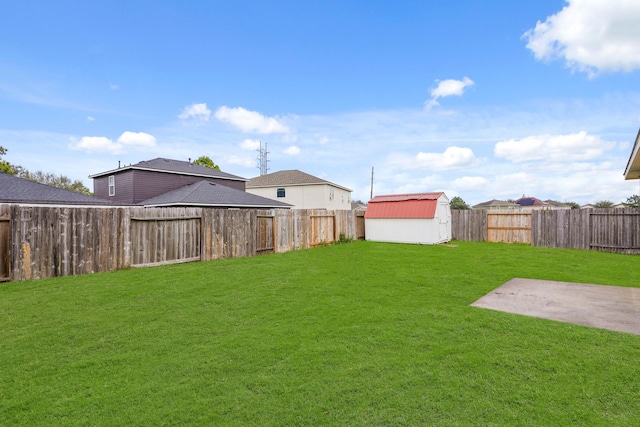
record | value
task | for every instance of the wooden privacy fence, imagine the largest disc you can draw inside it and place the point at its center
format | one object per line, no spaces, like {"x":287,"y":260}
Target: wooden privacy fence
{"x":40,"y":242}
{"x":5,"y":267}
{"x":611,"y":230}
{"x":509,"y":227}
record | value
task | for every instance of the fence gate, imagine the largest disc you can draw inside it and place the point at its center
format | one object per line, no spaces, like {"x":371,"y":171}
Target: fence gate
{"x":265,"y":234}
{"x":156,"y":241}
{"x":323,"y":229}
{"x":509,"y":227}
{"x":5,"y":244}
{"x":613,"y":231}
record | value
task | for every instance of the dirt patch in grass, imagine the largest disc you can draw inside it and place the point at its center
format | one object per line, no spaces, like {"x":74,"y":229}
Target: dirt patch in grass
{"x":608,"y":307}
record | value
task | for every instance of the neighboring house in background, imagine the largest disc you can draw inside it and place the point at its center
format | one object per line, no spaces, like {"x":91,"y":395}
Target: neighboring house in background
{"x":176,"y":183}
{"x":14,"y":190}
{"x":497,"y":205}
{"x":423,"y":218}
{"x":210,"y":194}
{"x":531,"y":203}
{"x":301,"y":190}
{"x":632,"y":171}
{"x":556,"y":205}
{"x":133,"y":184}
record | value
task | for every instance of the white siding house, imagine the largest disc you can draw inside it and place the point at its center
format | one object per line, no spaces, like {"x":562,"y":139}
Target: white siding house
{"x":423,"y":218}
{"x":301,"y":190}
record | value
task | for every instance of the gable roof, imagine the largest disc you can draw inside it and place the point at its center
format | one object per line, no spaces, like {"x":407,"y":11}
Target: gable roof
{"x":632,"y":171}
{"x":288,"y":178}
{"x":23,"y":191}
{"x":530,"y":201}
{"x":496,"y":203}
{"x":179,"y":167}
{"x":205,"y":193}
{"x":417,"y":205}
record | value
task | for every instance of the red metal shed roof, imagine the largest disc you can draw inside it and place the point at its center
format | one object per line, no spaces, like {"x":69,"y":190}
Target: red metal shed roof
{"x":418,"y":205}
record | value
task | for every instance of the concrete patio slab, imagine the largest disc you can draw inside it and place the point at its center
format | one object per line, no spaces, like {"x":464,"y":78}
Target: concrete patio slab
{"x":607,"y":307}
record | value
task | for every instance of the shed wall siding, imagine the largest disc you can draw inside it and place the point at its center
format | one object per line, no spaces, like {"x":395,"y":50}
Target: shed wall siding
{"x":423,"y":231}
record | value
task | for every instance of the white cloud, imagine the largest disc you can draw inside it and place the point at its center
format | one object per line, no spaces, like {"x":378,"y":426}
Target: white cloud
{"x":250,"y":121}
{"x":102,"y":144}
{"x":446,"y":88}
{"x":90,"y":119}
{"x":139,"y":139}
{"x":292,"y":151}
{"x":591,"y":36}
{"x":113,"y":86}
{"x":98,"y":144}
{"x":198,"y":112}
{"x":470,"y":183}
{"x":322,"y":139}
{"x":452,"y":158}
{"x":572,"y":147}
{"x":247,"y":162}
{"x":250,"y":144}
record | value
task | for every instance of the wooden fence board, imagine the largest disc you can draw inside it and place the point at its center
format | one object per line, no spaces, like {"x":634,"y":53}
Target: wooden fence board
{"x":509,"y":227}
{"x":5,"y":243}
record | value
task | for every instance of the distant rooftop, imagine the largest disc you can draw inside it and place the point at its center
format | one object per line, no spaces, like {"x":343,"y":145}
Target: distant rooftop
{"x":23,"y":191}
{"x":172,"y":166}
{"x":288,"y":177}
{"x":205,"y":193}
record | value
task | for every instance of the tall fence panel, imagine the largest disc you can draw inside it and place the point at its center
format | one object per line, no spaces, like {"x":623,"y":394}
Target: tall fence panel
{"x":164,"y":235}
{"x":60,"y":241}
{"x":509,"y":227}
{"x":323,"y":228}
{"x":615,"y":230}
{"x":38,"y":242}
{"x":469,"y":225}
{"x":265,"y":232}
{"x":5,"y":243}
{"x":563,"y":228}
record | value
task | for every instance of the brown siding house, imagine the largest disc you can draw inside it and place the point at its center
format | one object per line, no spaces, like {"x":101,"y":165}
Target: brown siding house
{"x":141,"y":181}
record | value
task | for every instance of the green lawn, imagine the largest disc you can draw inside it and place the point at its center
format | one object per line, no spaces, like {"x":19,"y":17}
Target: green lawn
{"x":354,"y":334}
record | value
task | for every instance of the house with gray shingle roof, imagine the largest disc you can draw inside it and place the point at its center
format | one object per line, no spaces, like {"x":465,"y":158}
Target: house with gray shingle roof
{"x":210,"y":194}
{"x":497,"y":205}
{"x":301,"y":190}
{"x":167,"y":182}
{"x":135,"y":183}
{"x":14,"y":190}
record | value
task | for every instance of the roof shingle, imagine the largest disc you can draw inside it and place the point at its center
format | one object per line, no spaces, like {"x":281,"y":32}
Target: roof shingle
{"x":20,"y":190}
{"x":161,"y":164}
{"x":205,"y":193}
{"x":288,"y":177}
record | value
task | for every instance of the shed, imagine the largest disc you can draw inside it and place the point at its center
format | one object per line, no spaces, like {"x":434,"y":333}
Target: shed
{"x":423,"y":218}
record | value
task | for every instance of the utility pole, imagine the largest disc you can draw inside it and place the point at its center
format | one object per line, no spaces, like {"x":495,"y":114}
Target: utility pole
{"x":371,"y":197}
{"x":263,"y":159}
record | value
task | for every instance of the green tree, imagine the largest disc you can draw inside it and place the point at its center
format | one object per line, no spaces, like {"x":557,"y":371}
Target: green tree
{"x":458,"y":203}
{"x":58,"y":181}
{"x":5,"y":167}
{"x":633,"y":201}
{"x":206,"y":162}
{"x":572,"y":205}
{"x":603,"y":204}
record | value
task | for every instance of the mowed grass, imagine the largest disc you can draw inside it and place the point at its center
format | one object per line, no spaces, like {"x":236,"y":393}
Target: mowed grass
{"x":355,"y":334}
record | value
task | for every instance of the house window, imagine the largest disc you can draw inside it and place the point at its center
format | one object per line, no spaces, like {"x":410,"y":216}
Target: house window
{"x":112,"y":186}
{"x":280,"y":192}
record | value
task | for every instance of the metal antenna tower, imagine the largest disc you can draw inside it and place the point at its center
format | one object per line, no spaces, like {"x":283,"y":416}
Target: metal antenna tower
{"x":263,"y":159}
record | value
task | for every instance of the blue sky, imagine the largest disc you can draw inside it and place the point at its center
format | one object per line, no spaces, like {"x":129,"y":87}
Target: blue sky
{"x":482,"y":100}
